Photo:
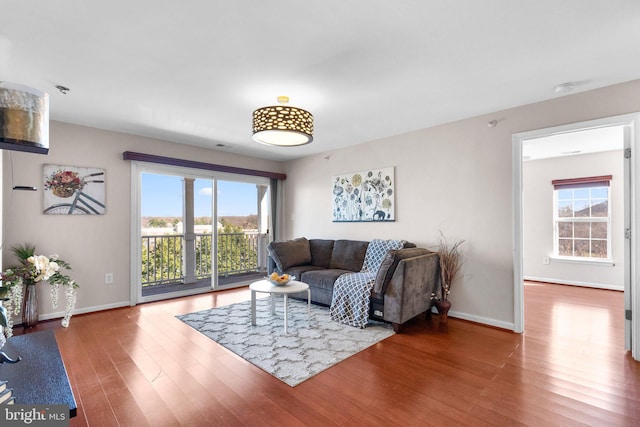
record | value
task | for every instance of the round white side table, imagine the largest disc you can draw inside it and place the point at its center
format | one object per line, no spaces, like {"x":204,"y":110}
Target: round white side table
{"x":265,"y":286}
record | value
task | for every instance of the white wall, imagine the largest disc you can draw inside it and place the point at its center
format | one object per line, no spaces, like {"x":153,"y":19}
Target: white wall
{"x":93,"y":244}
{"x":456,"y":178}
{"x":538,"y":219}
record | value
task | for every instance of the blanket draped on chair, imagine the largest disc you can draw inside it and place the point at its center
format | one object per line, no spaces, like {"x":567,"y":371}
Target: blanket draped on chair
{"x":352,"y":291}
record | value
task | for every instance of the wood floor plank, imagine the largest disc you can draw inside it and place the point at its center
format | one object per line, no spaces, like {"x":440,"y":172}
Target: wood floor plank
{"x":143,"y":366}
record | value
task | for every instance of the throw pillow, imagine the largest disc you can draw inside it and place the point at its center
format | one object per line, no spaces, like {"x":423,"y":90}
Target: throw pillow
{"x":290,"y":253}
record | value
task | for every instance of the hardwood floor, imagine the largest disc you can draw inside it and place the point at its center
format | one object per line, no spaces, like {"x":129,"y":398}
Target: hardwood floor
{"x":141,"y":366}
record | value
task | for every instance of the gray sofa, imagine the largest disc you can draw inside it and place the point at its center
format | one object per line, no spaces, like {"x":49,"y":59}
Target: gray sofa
{"x":403,"y":286}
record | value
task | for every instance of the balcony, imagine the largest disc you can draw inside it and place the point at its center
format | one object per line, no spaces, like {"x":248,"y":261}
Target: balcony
{"x":241,"y":257}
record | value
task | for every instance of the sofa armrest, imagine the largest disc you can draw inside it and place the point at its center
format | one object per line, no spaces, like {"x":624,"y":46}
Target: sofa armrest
{"x":409,"y":291}
{"x":390,"y":263}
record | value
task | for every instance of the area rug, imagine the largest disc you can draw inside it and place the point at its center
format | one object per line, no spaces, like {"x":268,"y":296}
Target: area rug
{"x":307,"y":349}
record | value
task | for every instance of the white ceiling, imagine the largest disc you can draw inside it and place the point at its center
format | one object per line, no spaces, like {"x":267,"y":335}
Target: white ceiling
{"x":194,"y":71}
{"x":586,"y":141}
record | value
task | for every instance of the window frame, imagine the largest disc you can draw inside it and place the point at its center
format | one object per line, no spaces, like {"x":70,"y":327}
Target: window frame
{"x":573,"y":184}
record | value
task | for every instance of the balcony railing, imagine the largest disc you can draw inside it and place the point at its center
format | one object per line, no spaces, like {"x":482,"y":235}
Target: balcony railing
{"x":238,"y":253}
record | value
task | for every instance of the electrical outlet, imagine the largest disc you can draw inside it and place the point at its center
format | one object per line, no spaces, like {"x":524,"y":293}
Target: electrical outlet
{"x":545,"y":260}
{"x":108,"y":278}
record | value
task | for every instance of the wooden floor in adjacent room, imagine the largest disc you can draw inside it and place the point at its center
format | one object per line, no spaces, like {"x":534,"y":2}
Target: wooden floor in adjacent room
{"x":141,"y":366}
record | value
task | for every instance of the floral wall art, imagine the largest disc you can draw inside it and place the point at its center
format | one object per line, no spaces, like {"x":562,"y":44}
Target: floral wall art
{"x":73,"y":190}
{"x":364,"y":196}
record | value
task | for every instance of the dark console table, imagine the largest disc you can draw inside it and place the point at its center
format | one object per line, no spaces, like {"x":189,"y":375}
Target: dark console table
{"x":40,"y":378}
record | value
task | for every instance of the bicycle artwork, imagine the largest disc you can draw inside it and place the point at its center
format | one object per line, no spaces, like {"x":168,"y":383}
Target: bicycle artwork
{"x":71,"y":190}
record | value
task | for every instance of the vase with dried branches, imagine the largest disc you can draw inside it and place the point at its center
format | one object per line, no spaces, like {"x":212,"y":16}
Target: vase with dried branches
{"x":450,"y":264}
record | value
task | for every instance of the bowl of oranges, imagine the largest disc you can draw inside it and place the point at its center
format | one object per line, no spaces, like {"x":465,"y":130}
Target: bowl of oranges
{"x":280,"y":279}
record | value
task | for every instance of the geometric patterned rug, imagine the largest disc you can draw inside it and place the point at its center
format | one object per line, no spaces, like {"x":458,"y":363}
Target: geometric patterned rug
{"x":308,"y":348}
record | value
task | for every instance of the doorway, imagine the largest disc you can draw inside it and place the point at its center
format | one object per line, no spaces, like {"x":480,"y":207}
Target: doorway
{"x":573,"y":216}
{"x":195,"y":231}
{"x":627,"y":125}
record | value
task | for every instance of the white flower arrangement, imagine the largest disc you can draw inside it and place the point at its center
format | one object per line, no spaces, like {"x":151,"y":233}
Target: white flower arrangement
{"x":34,"y":269}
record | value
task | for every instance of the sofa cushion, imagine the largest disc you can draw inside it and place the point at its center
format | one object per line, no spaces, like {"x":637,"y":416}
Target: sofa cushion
{"x":290,"y":253}
{"x":348,"y":254}
{"x":321,"y":251}
{"x":389,"y":264}
{"x":323,"y":278}
{"x":299,"y":270}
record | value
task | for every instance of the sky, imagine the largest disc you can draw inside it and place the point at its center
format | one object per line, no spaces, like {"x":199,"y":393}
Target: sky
{"x":162,"y":196}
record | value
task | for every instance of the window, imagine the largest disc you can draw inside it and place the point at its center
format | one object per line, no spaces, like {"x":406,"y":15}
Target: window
{"x":582,"y":218}
{"x":177,"y":249}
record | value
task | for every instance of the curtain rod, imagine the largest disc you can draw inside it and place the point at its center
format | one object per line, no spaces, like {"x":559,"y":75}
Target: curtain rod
{"x":152,"y":158}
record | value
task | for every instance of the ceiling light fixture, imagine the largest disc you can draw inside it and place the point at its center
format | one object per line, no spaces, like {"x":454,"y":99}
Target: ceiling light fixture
{"x":24,"y":118}
{"x":282,"y":125}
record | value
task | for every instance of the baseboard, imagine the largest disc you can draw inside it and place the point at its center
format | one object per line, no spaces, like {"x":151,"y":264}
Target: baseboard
{"x":60,"y":314}
{"x":510,"y":326}
{"x":575,"y":283}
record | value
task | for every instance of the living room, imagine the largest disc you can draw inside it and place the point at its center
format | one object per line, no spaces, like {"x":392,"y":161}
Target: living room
{"x":481,"y":155}
{"x":455,"y":177}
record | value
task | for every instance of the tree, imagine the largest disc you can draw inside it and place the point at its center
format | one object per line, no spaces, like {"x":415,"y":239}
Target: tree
{"x":234,"y":251}
{"x":203,"y":255}
{"x":157,"y":223}
{"x":202,"y":220}
{"x":162,"y":260}
{"x":162,"y":256}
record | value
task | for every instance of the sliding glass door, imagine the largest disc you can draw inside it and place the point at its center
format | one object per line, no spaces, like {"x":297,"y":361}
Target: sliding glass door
{"x":195,"y":232}
{"x":241,"y":230}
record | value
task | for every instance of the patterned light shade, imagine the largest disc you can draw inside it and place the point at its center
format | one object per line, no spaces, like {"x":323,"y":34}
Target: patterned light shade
{"x":282,"y":125}
{"x":24,"y":119}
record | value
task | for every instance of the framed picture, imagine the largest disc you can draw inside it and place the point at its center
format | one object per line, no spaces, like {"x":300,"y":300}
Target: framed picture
{"x":364,"y":196}
{"x":73,"y":190}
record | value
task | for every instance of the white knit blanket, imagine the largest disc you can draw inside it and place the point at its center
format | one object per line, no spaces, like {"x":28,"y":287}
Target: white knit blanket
{"x":352,"y":291}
